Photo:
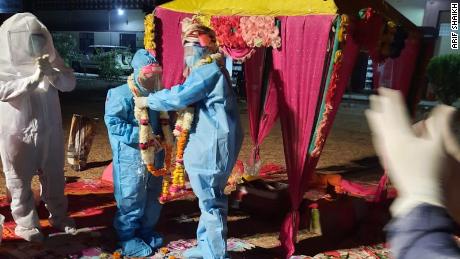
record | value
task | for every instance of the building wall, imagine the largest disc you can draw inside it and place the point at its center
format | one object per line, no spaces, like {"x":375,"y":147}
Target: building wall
{"x":412,"y":9}
{"x":433,"y":9}
{"x":437,"y":17}
{"x":106,"y":38}
{"x":106,"y":25}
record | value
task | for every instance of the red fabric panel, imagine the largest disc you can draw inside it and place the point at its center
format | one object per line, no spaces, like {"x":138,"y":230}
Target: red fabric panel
{"x":262,"y":113}
{"x":253,"y":72}
{"x":170,"y":52}
{"x":404,"y":66}
{"x":270,"y":112}
{"x":297,"y":74}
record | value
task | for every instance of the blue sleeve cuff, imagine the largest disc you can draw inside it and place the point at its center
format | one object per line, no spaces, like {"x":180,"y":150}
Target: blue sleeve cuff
{"x":426,"y":232}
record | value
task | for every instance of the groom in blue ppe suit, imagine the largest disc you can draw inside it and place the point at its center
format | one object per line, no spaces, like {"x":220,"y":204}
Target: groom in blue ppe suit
{"x":215,"y":137}
{"x":136,"y":190}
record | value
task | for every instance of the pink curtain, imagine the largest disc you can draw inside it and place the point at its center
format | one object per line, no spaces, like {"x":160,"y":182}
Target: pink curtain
{"x":297,"y":74}
{"x":262,"y":112}
{"x":169,"y":45}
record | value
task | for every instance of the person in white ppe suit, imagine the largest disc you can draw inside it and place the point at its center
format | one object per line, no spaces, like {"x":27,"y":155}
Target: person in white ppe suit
{"x":31,"y":134}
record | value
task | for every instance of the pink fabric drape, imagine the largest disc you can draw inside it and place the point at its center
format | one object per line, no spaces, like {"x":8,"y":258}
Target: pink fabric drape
{"x":170,"y":52}
{"x":297,"y":74}
{"x":262,"y":113}
{"x":239,"y":54}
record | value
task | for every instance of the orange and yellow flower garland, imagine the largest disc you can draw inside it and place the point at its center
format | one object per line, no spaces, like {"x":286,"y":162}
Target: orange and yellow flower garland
{"x":175,"y":184}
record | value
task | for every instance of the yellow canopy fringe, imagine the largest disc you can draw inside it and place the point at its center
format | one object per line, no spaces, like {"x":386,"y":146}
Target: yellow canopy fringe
{"x":253,"y":7}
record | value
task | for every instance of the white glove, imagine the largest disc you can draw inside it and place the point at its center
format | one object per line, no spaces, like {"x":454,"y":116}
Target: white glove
{"x":45,"y":66}
{"x":35,"y":79}
{"x":141,"y":102}
{"x":418,"y":163}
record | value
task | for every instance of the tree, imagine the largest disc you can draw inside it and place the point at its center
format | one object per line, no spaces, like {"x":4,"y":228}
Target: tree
{"x":67,"y":47}
{"x":107,"y":62}
{"x":444,"y":74}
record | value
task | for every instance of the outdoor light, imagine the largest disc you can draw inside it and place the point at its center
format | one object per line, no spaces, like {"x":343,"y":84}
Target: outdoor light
{"x":121,"y":11}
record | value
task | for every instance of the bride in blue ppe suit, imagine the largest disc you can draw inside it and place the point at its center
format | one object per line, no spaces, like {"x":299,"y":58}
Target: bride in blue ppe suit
{"x":136,"y":190}
{"x":31,"y":136}
{"x":216,"y":135}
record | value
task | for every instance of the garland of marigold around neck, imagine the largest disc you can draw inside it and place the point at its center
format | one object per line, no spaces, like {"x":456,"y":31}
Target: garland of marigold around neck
{"x":147,"y":138}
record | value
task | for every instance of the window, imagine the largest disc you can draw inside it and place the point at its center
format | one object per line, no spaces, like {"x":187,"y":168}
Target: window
{"x":444,"y":29}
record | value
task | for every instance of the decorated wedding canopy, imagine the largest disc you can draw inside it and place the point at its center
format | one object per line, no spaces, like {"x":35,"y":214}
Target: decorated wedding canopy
{"x":299,"y":56}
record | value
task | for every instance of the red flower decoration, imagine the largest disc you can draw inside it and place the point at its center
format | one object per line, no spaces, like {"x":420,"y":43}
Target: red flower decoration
{"x":228,"y":31}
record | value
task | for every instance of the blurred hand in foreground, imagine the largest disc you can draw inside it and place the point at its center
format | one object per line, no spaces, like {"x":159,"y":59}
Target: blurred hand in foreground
{"x":423,"y":161}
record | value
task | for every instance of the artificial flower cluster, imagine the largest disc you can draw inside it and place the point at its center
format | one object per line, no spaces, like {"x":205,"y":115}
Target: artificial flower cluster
{"x":249,"y":31}
{"x":149,"y":33}
{"x":228,"y":31}
{"x":260,"y":31}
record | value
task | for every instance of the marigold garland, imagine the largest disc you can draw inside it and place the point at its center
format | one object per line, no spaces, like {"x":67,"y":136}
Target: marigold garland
{"x":176,"y":183}
{"x":149,"y":32}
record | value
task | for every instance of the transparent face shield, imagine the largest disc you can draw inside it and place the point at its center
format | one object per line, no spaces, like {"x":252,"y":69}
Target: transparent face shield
{"x":25,"y":47}
{"x":38,"y":45}
{"x":192,"y":54}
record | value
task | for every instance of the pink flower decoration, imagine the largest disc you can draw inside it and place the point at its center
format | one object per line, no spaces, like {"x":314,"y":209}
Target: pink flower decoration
{"x":260,"y":31}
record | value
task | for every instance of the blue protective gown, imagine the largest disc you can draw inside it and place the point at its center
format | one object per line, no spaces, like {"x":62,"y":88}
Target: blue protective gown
{"x":215,"y":141}
{"x":136,"y":190}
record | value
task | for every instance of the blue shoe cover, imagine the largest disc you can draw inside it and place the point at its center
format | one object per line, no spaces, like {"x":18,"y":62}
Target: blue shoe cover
{"x":155,"y":241}
{"x":193,"y":253}
{"x":135,"y":247}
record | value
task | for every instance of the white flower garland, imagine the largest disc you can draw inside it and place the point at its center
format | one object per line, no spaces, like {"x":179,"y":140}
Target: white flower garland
{"x":148,"y":142}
